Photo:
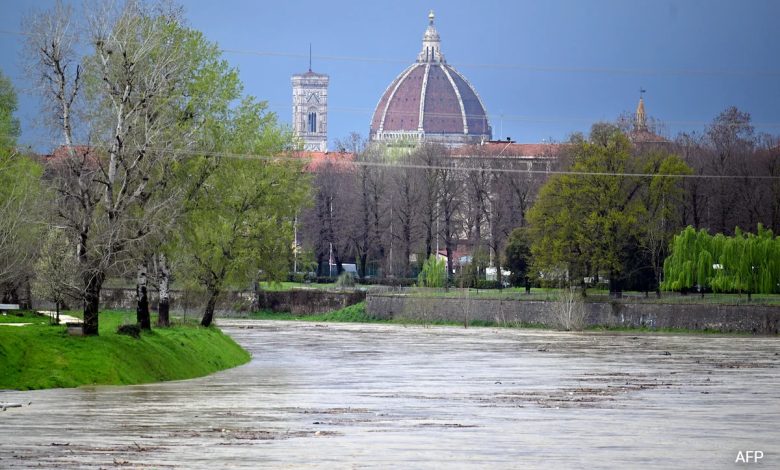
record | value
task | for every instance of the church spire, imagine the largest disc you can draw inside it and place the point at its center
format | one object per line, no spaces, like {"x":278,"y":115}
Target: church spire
{"x":640,"y":120}
{"x":431,"y":46}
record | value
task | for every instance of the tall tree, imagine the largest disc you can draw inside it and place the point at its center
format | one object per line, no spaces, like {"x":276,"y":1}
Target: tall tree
{"x":427,"y":156}
{"x":731,"y":143}
{"x":404,"y":185}
{"x":138,"y":111}
{"x":242,"y":219}
{"x":21,"y":199}
{"x":591,"y":223}
{"x":451,"y":191}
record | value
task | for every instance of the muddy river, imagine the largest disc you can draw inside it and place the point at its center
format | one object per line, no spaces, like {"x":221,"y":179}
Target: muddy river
{"x":389,"y":396}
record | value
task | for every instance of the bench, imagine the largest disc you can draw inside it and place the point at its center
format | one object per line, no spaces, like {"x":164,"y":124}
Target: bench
{"x":7,"y":307}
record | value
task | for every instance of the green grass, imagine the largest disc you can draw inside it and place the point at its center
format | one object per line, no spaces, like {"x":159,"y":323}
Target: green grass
{"x":44,"y":356}
{"x":284,"y":286}
{"x":352,"y":314}
{"x":18,"y":316}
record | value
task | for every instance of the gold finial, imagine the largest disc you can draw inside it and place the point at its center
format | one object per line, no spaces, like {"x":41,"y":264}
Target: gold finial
{"x":430,"y":17}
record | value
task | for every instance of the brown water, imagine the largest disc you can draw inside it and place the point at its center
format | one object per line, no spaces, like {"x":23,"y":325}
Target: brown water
{"x":387,"y":396}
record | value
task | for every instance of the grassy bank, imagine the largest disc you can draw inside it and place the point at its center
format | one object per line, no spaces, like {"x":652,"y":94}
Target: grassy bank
{"x":44,"y":356}
{"x":354,"y":313}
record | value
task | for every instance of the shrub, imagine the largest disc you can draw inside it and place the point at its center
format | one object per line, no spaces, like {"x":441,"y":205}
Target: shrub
{"x":568,"y":311}
{"x":433,"y":274}
{"x":485,"y":284}
{"x":387,"y":281}
{"x":133,"y":330}
{"x":345,"y":279}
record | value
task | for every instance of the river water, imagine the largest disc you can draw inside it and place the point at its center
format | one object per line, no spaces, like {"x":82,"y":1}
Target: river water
{"x":390,"y":396}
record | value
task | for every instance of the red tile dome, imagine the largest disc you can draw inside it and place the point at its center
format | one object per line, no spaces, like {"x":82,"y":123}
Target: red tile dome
{"x":430,"y":100}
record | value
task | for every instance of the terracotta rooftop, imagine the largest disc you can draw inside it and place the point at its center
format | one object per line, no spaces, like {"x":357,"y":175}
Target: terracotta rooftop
{"x":510,"y":149}
{"x":342,"y":161}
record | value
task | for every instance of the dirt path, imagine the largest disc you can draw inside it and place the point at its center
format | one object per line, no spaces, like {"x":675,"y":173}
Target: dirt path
{"x":63,"y":318}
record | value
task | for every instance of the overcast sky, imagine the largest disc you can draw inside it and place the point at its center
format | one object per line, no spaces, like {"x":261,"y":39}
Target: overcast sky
{"x":544,"y":69}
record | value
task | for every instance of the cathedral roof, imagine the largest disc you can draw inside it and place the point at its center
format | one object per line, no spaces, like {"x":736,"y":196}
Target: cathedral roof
{"x":430,"y":100}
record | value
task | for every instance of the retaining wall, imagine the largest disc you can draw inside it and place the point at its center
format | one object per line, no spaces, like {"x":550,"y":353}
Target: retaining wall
{"x":725,"y":318}
{"x":296,"y":301}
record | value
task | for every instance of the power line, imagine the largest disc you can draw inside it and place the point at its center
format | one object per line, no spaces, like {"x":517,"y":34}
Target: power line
{"x":384,"y":164}
{"x":524,"y":67}
{"x":411,"y":166}
{"x":493,"y":117}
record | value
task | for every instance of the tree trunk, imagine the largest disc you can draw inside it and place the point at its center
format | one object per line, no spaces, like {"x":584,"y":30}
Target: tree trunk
{"x":164,"y":291}
{"x":208,"y":315}
{"x":256,"y":294}
{"x":363,"y":260}
{"x":93,"y":284}
{"x":448,"y":247}
{"x":142,"y":297}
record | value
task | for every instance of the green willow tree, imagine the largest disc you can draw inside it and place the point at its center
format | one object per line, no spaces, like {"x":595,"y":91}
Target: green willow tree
{"x":592,"y":223}
{"x":434,"y":273}
{"x":241,"y":220}
{"x":744,"y":263}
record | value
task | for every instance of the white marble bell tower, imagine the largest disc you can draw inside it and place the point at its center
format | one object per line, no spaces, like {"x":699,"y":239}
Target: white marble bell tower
{"x":310,"y":110}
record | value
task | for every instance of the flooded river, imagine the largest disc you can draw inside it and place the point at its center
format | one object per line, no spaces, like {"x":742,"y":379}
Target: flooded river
{"x":389,"y":396}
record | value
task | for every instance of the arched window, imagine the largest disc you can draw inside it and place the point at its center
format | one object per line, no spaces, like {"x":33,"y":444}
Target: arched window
{"x":312,"y":122}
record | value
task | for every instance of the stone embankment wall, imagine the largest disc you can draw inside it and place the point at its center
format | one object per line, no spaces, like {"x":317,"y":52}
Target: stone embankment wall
{"x":296,"y":301}
{"x":725,"y":318}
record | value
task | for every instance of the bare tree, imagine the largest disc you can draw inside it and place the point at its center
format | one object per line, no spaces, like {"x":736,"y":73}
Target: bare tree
{"x":428,"y":185}
{"x":137,"y":86}
{"x":691,"y":150}
{"x":451,"y":190}
{"x":327,"y":223}
{"x":405,"y":211}
{"x":768,"y":157}
{"x":730,"y":138}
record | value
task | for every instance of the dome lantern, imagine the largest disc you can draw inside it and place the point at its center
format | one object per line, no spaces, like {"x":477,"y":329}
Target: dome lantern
{"x":431,"y":44}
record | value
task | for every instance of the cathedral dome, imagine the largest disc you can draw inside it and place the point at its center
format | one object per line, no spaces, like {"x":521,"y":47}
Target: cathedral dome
{"x":430,"y":100}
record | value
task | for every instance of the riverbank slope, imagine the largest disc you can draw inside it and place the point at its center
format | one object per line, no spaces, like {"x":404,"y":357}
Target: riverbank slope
{"x":40,"y":355}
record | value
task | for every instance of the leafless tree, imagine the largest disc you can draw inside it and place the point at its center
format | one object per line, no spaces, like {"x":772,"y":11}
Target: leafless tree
{"x":691,"y":149}
{"x":328,"y":225}
{"x":730,"y":139}
{"x":405,"y":187}
{"x":427,"y":156}
{"x":768,"y":164}
{"x":451,"y":189}
{"x":136,"y":83}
